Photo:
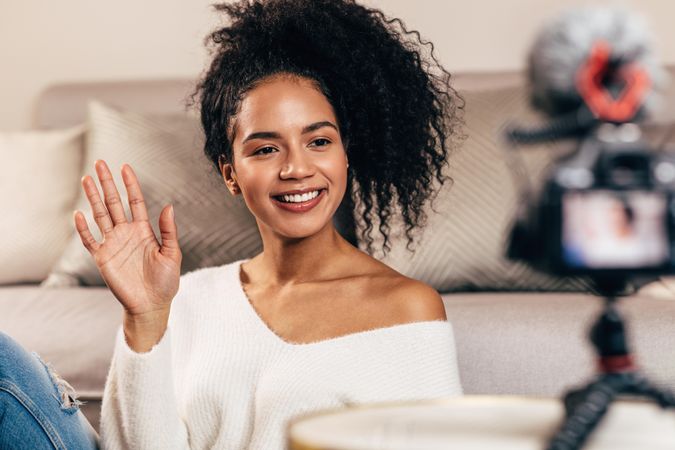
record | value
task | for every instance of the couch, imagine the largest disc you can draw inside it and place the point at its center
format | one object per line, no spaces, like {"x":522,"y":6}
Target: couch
{"x":509,"y":341}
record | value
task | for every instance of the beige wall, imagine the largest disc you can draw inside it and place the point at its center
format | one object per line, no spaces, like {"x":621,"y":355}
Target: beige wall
{"x":46,"y":41}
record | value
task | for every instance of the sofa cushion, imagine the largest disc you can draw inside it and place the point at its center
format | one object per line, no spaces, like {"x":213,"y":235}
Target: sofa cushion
{"x":73,"y":328}
{"x":537,"y":344}
{"x":214,"y":227}
{"x":38,"y":189}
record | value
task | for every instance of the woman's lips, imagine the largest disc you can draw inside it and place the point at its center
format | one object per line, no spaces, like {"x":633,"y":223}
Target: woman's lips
{"x":302,"y":206}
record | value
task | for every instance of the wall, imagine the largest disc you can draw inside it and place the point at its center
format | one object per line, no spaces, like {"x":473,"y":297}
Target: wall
{"x":44,"y":42}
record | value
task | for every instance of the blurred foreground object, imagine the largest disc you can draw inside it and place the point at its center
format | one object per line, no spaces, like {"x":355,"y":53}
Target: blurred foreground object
{"x":475,"y":422}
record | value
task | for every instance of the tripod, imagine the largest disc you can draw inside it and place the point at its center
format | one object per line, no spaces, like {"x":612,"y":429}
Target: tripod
{"x":585,"y":407}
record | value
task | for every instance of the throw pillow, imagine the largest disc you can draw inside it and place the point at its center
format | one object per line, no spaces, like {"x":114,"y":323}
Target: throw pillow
{"x":462,"y":247}
{"x":214,"y":228}
{"x":37,"y":195}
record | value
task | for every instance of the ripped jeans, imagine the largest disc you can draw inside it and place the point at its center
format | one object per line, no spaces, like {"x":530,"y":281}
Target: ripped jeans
{"x":38,"y":409}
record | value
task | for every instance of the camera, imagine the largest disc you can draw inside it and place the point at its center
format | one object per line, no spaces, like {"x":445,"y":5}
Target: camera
{"x":607,"y":209}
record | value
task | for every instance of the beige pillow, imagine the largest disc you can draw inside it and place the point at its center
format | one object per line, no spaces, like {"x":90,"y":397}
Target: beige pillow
{"x":166,"y":153}
{"x":38,"y":188}
{"x":462,"y":247}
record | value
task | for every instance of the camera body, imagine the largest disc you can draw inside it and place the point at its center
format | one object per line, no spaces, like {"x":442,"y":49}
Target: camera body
{"x":607,"y":209}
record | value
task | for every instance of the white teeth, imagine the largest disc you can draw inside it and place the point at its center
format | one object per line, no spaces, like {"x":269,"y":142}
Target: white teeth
{"x":298,"y":198}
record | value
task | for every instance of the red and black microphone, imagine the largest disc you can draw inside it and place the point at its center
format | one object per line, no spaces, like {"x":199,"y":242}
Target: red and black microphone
{"x":591,"y":66}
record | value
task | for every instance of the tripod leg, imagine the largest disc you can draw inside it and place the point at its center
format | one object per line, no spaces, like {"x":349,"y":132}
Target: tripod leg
{"x":589,"y":406}
{"x":642,"y":386}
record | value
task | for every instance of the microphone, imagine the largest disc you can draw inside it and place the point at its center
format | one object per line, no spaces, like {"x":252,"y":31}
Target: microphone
{"x":591,"y":65}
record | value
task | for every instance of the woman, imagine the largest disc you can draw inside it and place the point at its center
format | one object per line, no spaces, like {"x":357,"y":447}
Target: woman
{"x":304,"y":101}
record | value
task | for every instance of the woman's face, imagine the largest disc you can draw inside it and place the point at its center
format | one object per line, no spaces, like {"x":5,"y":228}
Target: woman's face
{"x":289,"y":162}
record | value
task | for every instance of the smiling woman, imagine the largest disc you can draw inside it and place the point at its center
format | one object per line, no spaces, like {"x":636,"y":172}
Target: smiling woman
{"x":288,"y":157}
{"x":393,"y":102}
{"x":306,"y":104}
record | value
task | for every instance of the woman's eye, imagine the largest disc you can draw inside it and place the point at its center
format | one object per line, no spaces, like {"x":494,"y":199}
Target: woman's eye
{"x":264,"y":151}
{"x":326,"y":142}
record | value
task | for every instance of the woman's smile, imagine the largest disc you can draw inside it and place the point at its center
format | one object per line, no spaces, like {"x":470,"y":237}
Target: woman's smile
{"x":299,"y":202}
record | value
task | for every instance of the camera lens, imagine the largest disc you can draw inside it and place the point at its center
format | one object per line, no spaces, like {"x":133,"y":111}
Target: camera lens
{"x":628,"y":170}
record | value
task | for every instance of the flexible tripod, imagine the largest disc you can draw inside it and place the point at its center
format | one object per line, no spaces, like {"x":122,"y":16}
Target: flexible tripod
{"x":585,"y":407}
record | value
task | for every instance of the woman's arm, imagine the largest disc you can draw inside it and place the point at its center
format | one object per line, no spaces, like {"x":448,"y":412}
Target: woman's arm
{"x":139,"y":409}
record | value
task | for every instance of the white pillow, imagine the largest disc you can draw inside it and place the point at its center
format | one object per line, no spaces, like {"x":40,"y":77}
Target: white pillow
{"x":166,"y":152}
{"x":39,"y":182}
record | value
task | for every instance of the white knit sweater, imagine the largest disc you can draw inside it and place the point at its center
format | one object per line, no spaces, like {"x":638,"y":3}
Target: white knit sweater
{"x":221,"y":379}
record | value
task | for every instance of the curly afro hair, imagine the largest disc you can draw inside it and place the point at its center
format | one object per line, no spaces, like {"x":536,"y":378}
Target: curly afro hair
{"x":396,"y":110}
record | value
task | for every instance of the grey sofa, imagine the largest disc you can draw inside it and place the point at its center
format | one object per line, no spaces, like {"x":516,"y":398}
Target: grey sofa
{"x":508,"y":343}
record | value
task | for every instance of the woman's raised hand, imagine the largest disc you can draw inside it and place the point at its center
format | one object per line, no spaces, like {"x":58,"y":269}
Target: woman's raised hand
{"x":142,"y":273}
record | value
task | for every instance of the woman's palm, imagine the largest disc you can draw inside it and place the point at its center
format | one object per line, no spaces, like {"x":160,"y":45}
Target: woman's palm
{"x":133,"y":267}
{"x":142,"y":273}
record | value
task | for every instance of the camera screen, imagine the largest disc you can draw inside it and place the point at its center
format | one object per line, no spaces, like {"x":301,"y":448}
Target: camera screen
{"x":615,"y":230}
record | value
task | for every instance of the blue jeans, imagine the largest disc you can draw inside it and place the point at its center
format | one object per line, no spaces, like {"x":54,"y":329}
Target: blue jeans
{"x":38,"y":409}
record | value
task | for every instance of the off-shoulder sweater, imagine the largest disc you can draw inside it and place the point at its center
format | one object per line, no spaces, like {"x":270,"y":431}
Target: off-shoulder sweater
{"x":220,"y":378}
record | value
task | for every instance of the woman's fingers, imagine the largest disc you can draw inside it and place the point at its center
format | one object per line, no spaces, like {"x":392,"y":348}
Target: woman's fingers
{"x":169,"y":232}
{"x":83,"y":230}
{"x":98,"y":209}
{"x":136,"y":202}
{"x":110,"y":193}
{"x":111,"y":213}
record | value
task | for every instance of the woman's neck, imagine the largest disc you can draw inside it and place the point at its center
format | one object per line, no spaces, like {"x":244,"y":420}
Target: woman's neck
{"x":290,"y":261}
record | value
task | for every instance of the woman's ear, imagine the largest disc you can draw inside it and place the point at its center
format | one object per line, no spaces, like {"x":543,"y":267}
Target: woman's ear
{"x":229,"y":176}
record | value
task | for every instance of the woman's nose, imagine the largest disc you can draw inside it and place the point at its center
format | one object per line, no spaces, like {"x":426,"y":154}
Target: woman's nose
{"x":297,"y":165}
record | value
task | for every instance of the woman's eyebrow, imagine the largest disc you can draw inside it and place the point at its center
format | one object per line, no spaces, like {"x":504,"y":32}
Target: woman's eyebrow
{"x":274,"y":135}
{"x":261,"y":135}
{"x":317,"y":125}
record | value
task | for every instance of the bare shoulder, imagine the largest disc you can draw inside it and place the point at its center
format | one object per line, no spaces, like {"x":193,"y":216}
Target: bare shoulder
{"x":415,"y":301}
{"x":407,"y":299}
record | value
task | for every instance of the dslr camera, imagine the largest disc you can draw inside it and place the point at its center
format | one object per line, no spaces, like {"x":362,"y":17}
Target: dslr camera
{"x":606,"y":209}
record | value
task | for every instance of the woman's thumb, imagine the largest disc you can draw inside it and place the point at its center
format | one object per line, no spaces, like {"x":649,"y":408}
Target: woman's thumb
{"x":169,"y":232}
